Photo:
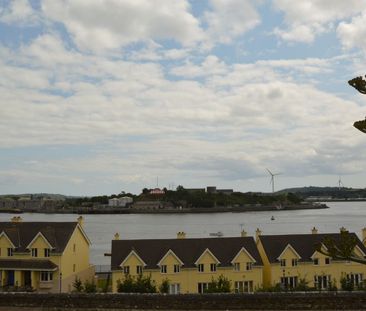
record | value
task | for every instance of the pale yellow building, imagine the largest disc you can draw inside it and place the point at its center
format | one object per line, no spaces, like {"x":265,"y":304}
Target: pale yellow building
{"x":189,"y":265}
{"x":43,"y":256}
{"x":290,"y":259}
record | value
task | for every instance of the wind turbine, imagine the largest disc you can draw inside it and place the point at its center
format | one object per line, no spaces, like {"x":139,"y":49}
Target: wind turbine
{"x":340,"y":183}
{"x":272,"y":178}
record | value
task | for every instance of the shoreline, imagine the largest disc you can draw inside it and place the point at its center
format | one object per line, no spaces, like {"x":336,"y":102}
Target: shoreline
{"x":198,"y":210}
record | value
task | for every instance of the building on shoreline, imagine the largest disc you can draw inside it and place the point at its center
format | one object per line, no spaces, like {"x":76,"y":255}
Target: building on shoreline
{"x":43,"y":256}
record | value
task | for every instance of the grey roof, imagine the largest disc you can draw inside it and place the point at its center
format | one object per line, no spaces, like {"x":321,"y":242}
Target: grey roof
{"x":304,"y":244}
{"x":27,"y":264}
{"x":22,"y":233}
{"x":188,"y":250}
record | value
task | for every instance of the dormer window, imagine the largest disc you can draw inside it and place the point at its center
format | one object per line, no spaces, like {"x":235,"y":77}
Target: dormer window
{"x":10,"y":252}
{"x":163,"y":269}
{"x":294,"y":262}
{"x":34,"y":252}
{"x":283,"y":262}
{"x":126,"y":269}
{"x":316,"y":261}
{"x":176,"y":268}
{"x":201,"y":267}
{"x":47,"y":252}
{"x":139,"y":269}
{"x":249,"y":266}
{"x":237,"y":266}
{"x":327,"y":261}
{"x":213,"y":267}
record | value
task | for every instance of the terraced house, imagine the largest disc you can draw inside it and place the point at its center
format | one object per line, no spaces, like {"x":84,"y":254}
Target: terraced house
{"x":290,"y":258}
{"x":189,"y":265}
{"x":43,"y":256}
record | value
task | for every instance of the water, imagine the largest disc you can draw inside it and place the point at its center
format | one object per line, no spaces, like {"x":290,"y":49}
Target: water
{"x":101,"y":228}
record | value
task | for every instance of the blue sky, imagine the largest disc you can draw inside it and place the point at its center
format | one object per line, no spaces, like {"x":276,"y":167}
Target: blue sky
{"x":99,"y":97}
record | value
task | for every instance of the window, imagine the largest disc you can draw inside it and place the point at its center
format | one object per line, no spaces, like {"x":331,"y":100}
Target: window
{"x":237,"y":266}
{"x":34,"y":252}
{"x":355,"y":278}
{"x":46,"y":276}
{"x":322,"y":281}
{"x":202,"y":287}
{"x":316,"y":261}
{"x":163,"y":269}
{"x":73,"y":268}
{"x":126,"y":269}
{"x":74,"y":248}
{"x":176,"y":268}
{"x":243,"y":287}
{"x":213,"y":267}
{"x":174,"y":288}
{"x":289,"y":282}
{"x":327,"y":261}
{"x":294,"y":262}
{"x":201,"y":267}
{"x":47,"y":252}
{"x":283,"y":262}
{"x":139,"y":269}
{"x":249,"y":266}
{"x":10,"y":252}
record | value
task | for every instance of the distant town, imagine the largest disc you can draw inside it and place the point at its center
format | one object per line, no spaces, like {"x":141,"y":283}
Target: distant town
{"x":157,"y":200}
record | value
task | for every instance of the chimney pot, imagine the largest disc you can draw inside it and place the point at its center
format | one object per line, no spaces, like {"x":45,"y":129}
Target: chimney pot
{"x":81,"y":220}
{"x":116,"y":236}
{"x":181,"y":235}
{"x":16,"y":219}
{"x":257,"y":234}
{"x":243,"y":233}
{"x":314,"y":230}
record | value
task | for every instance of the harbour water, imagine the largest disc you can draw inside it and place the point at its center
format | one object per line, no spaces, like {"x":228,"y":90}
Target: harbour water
{"x":101,"y":228}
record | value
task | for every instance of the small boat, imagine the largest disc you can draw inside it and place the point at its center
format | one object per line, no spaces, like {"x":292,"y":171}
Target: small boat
{"x":272,"y":218}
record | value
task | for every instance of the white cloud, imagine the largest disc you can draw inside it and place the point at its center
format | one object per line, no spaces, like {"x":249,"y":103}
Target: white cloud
{"x":305,"y":20}
{"x":229,"y":19}
{"x":353,"y":34}
{"x":20,"y":12}
{"x":100,"y":25}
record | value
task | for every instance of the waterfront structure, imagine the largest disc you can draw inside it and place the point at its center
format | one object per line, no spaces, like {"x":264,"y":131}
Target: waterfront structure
{"x":43,"y":256}
{"x":189,"y":265}
{"x":293,"y":259}
{"x":120,"y":202}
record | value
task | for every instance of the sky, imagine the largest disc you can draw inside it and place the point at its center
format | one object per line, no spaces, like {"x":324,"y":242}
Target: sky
{"x":103,"y":96}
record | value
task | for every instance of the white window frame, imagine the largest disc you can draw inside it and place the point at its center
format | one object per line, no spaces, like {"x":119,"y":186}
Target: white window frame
{"x":174,"y":288}
{"x":10,"y":252}
{"x":202,"y":287}
{"x":316,"y":261}
{"x":294,"y":262}
{"x":176,"y":268}
{"x":248,"y":266}
{"x":322,"y":281}
{"x":201,"y":267}
{"x":139,"y":269}
{"x":236,"y":266}
{"x":213,"y":267}
{"x":47,"y":252}
{"x":126,"y":269}
{"x":34,"y":252}
{"x":46,"y":276}
{"x":283,"y":262}
{"x":289,"y":282}
{"x":241,"y":287}
{"x":163,"y":269}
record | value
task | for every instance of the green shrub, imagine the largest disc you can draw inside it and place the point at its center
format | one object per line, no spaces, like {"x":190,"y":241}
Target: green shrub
{"x":78,"y":285}
{"x":164,"y":286}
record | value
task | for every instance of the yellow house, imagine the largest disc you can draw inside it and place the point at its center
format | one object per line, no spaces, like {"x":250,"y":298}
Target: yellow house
{"x":189,"y":265}
{"x":289,"y":259}
{"x":43,"y":256}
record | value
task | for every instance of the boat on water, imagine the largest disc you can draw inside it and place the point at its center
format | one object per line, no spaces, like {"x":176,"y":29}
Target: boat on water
{"x":272,"y":218}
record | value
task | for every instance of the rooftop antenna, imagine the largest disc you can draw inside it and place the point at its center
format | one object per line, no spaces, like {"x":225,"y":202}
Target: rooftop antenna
{"x":157,"y":181}
{"x":272,"y":178}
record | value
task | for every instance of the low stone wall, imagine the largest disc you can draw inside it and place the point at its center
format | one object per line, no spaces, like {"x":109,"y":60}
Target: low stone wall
{"x":259,"y":301}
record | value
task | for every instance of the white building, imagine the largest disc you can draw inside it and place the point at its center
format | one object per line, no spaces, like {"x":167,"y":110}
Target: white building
{"x":120,"y":202}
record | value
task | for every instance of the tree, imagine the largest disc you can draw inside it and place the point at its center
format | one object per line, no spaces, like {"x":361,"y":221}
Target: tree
{"x":164,"y":286}
{"x":221,"y":285}
{"x":342,"y":249}
{"x":360,"y":85}
{"x":141,"y":284}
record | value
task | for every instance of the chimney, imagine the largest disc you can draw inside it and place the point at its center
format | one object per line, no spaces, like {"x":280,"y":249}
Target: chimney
{"x":16,"y":219}
{"x":363,"y":235}
{"x":116,"y":236}
{"x":243,"y":233}
{"x":81,"y":220}
{"x":343,"y":229}
{"x":257,"y":234}
{"x":314,"y":230}
{"x":181,"y":235}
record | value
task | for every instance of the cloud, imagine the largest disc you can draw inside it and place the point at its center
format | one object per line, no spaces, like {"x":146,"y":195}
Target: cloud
{"x":103,"y":25}
{"x":19,"y":12}
{"x":353,"y":34}
{"x":304,"y":20}
{"x":229,"y":19}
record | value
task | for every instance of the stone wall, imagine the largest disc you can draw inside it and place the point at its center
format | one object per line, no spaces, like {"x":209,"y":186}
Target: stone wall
{"x":259,"y":301}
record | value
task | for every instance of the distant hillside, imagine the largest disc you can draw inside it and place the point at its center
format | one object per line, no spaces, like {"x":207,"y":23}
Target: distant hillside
{"x":331,"y":192}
